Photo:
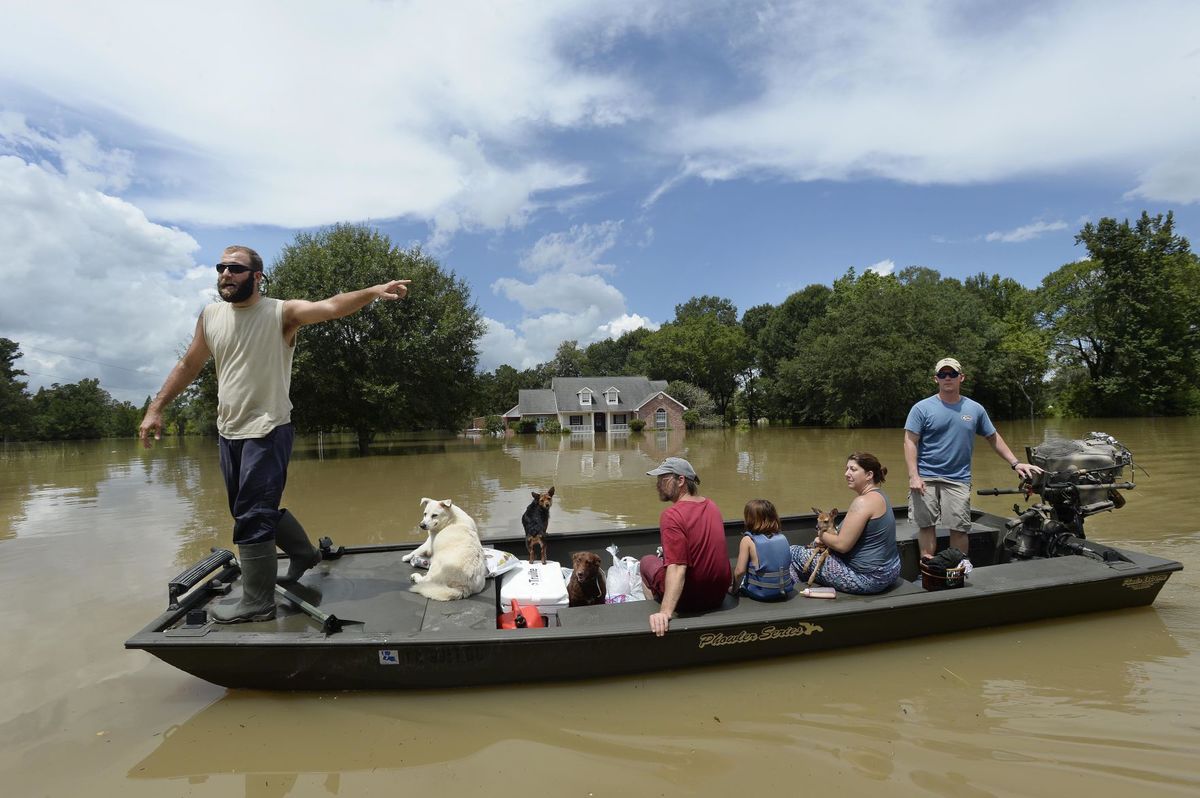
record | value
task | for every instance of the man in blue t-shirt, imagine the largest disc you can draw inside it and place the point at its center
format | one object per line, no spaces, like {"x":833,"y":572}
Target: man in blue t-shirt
{"x":939,"y":439}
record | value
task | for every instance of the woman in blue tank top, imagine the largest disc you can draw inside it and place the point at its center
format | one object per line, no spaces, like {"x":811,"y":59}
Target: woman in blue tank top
{"x":863,"y":555}
{"x":763,"y":565}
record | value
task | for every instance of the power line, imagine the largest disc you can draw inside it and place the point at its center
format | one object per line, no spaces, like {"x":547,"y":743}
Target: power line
{"x":105,"y":387}
{"x":77,"y":357}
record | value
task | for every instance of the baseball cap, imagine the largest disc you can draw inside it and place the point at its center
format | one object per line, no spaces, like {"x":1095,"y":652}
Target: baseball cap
{"x":948,"y":361}
{"x":675,"y":465}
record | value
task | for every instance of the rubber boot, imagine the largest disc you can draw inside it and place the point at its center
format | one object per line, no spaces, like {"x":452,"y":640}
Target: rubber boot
{"x":291,"y":537}
{"x":258,"y":563}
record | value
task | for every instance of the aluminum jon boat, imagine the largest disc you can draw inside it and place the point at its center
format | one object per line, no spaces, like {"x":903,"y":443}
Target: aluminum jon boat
{"x":351,"y":622}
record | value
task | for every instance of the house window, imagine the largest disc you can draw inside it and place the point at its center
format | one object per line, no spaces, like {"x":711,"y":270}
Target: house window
{"x":611,"y":395}
{"x":620,"y":418}
{"x":575,"y":421}
{"x":585,"y":397}
{"x":660,"y":418}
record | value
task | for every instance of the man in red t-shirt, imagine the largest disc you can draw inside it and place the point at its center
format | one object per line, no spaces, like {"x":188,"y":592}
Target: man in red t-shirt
{"x":693,"y":572}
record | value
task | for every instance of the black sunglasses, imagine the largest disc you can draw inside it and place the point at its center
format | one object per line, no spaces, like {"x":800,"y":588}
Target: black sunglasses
{"x":948,"y":374}
{"x":232,"y":268}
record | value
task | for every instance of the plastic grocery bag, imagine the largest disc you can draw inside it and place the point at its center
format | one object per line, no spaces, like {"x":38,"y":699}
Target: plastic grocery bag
{"x":499,"y":562}
{"x":624,"y":579}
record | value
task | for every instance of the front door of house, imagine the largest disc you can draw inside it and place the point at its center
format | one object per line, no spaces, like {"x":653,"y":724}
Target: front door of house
{"x":598,"y":421}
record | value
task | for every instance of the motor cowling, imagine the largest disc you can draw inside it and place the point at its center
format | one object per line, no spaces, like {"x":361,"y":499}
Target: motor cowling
{"x":1079,"y":478}
{"x":1086,"y":468}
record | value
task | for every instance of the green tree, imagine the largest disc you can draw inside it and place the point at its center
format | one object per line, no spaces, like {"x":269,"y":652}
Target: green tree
{"x":785,"y":330}
{"x":871,"y":355}
{"x":1010,"y":380}
{"x":499,"y":390}
{"x":612,"y":356}
{"x":1128,"y":317}
{"x":406,"y":365}
{"x":701,"y":350}
{"x":79,"y":410}
{"x":123,"y":420}
{"x":755,"y":320}
{"x":15,"y":408}
{"x":723,"y":310}
{"x":568,"y":360}
{"x":694,"y":397}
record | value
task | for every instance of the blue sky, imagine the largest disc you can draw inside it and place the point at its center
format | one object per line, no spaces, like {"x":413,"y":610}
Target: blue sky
{"x":583,"y":166}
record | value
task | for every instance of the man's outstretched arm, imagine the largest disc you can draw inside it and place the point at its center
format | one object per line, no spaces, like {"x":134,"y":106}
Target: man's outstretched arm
{"x":299,"y":312}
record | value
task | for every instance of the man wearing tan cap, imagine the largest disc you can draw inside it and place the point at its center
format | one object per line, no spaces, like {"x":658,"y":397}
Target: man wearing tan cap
{"x":939,"y":439}
{"x":693,"y":573}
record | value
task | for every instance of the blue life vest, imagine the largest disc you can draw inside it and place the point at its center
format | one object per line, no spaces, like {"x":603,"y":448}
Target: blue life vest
{"x":772,"y":579}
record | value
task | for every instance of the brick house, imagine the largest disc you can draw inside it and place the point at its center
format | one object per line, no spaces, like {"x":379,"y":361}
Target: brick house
{"x":599,"y":404}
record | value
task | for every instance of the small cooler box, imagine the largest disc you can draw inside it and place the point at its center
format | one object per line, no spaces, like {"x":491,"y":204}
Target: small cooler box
{"x":534,"y":584}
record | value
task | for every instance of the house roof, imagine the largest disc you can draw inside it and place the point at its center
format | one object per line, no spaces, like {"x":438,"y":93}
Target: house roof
{"x":563,"y":395}
{"x":536,"y":402}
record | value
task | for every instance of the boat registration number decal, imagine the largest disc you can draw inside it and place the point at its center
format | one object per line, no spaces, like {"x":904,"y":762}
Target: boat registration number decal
{"x":802,"y":629}
{"x":1143,"y":582}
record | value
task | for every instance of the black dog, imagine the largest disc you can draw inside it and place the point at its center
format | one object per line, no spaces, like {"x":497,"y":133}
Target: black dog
{"x":535,"y":520}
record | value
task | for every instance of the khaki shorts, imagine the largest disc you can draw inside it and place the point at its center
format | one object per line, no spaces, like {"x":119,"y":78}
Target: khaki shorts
{"x":944,"y":503}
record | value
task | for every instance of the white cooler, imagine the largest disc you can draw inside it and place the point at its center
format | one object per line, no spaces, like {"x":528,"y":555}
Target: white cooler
{"x":534,"y":584}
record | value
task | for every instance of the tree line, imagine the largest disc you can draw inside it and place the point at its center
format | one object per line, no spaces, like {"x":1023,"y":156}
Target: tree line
{"x":1115,"y":333}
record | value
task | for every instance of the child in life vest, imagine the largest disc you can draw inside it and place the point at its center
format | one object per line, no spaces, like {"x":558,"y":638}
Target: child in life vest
{"x":762,"y":571}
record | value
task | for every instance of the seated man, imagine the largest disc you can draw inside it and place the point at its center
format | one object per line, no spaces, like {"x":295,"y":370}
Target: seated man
{"x":693,"y":572}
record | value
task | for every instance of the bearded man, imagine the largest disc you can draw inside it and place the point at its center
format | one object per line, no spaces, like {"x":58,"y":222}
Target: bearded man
{"x":693,"y":572}
{"x":252,"y":339}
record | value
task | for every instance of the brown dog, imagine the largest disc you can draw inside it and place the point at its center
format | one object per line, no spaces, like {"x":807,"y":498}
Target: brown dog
{"x":535,"y":521}
{"x":825,"y":521}
{"x":587,"y":580}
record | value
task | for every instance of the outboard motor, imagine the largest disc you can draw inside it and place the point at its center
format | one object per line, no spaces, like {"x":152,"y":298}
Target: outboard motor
{"x":1080,"y":478}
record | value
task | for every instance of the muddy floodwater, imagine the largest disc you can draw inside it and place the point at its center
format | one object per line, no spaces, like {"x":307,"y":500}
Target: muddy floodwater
{"x":90,"y":534}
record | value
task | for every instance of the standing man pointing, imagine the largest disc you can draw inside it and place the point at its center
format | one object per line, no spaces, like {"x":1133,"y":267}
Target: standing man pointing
{"x":252,"y":338}
{"x":939,"y":439}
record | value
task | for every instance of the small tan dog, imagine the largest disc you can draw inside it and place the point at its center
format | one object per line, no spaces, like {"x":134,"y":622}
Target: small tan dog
{"x":825,"y":522}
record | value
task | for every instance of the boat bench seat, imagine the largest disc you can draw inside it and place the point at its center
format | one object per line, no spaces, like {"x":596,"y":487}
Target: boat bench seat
{"x":638,"y":611}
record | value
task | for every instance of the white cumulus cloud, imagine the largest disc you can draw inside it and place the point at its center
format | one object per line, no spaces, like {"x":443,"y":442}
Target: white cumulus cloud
{"x":304,"y":113}
{"x":91,"y":284}
{"x":567,"y":300}
{"x":1026,"y":232}
{"x":942,"y":93}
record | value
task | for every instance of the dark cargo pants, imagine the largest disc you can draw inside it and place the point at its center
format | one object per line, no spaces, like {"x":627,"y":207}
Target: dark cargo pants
{"x":255,"y":472}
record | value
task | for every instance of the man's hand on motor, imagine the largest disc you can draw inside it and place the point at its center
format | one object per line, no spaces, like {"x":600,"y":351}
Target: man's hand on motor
{"x":1027,"y":470}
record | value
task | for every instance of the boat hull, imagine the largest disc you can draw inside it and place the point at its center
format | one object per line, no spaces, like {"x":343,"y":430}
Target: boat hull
{"x":412,"y":643}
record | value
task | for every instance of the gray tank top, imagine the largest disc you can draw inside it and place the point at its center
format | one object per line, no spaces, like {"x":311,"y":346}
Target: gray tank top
{"x":876,"y":547}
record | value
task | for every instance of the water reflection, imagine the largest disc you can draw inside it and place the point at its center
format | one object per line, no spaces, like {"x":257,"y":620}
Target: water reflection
{"x":89,"y":534}
{"x":972,"y":709}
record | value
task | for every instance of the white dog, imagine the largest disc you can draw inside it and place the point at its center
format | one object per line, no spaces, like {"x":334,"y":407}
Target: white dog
{"x":457,"y":566}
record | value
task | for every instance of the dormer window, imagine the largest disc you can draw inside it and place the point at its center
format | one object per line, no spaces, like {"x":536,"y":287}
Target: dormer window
{"x":611,"y":395}
{"x":585,"y":397}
